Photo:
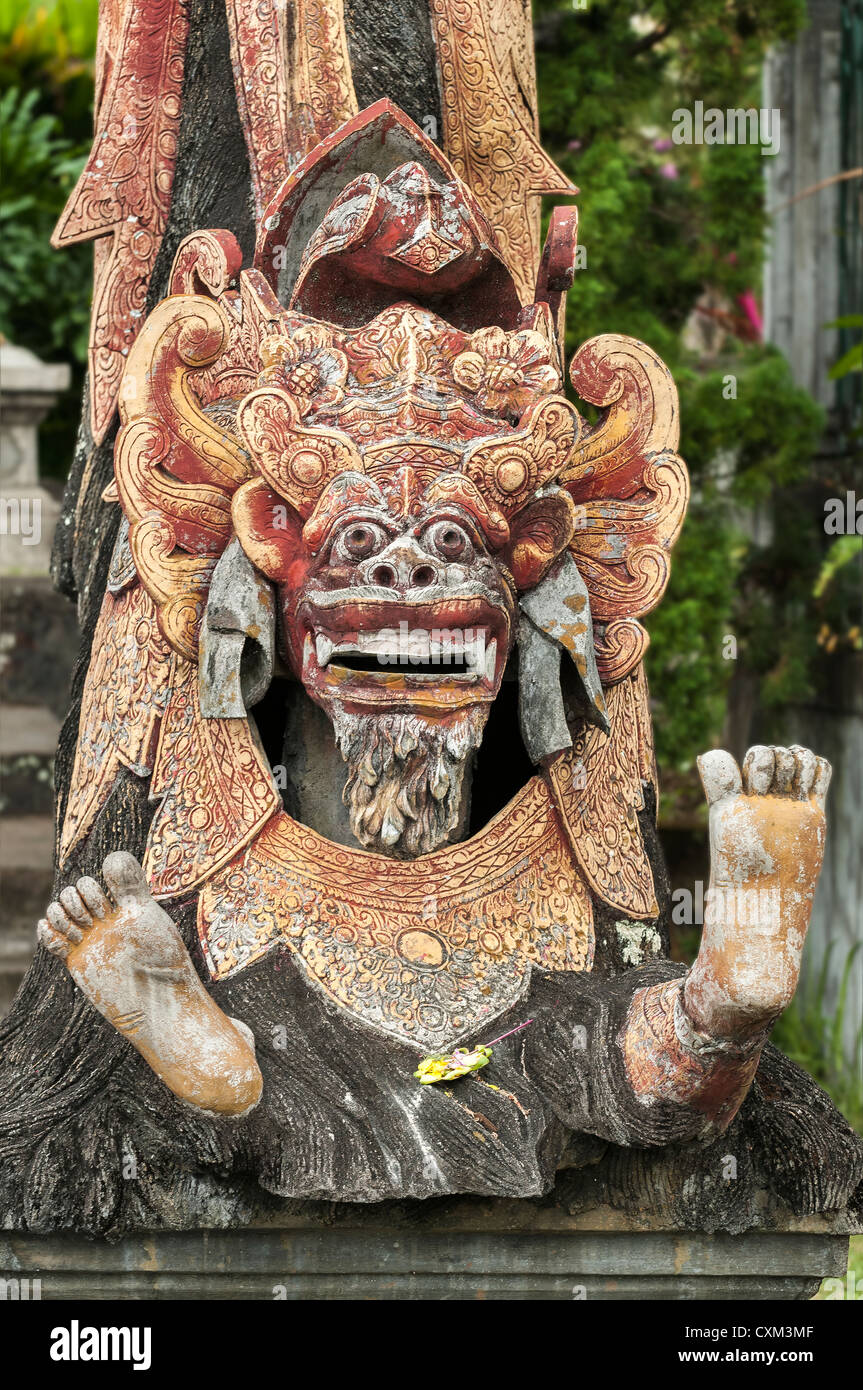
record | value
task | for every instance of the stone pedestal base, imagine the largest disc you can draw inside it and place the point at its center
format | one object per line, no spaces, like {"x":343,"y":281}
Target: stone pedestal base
{"x":594,"y":1256}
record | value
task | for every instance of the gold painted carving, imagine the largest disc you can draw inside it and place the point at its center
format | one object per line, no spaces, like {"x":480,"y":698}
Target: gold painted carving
{"x":320,"y":68}
{"x":485,"y":60}
{"x":631,"y":491}
{"x":215,"y":786}
{"x":509,"y":471}
{"x":507,"y":372}
{"x":647,"y":770}
{"x":254,"y":314}
{"x":125,"y":694}
{"x":175,"y":468}
{"x":293,"y":82}
{"x":297,"y":463}
{"x":124,"y":192}
{"x":425,"y":949}
{"x":597,"y":787}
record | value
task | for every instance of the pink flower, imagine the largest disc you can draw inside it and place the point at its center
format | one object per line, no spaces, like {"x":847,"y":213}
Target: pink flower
{"x":668,"y":170}
{"x":750,"y":308}
{"x":661,"y":146}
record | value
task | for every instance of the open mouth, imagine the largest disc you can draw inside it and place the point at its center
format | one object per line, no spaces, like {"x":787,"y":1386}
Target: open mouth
{"x":374,"y":664}
{"x":436,"y":653}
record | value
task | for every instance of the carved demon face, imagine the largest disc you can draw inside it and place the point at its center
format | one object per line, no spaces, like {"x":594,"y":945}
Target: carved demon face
{"x":400,"y":628}
{"x":403,"y":608}
{"x":397,"y":580}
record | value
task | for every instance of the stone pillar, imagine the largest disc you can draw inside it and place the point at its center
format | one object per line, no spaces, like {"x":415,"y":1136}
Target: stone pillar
{"x":28,"y":513}
{"x":38,"y":642}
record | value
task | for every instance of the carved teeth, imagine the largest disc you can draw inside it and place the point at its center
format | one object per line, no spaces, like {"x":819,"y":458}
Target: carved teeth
{"x":307,"y":650}
{"x":378,"y":643}
{"x":491,"y":660}
{"x":406,"y":646}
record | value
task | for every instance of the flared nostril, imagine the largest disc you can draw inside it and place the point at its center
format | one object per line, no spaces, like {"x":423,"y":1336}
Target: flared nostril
{"x":422,"y":576}
{"x":385,"y":576}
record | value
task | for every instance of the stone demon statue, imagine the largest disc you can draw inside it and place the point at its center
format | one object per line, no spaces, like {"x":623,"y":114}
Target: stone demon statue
{"x":369,"y":647}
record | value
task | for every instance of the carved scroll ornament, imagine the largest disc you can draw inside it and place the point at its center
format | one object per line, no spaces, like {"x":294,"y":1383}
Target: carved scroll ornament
{"x":485,"y":56}
{"x":631,"y":491}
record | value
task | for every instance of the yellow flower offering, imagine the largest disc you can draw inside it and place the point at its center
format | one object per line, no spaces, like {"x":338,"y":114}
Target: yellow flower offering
{"x":449,"y":1066}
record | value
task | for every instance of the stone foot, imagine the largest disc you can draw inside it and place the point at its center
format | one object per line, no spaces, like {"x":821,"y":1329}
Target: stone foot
{"x":766,"y":845}
{"x":130,"y":961}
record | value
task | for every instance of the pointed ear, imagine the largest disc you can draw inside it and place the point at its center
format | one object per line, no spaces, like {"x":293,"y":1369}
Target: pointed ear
{"x":538,"y":535}
{"x":559,"y":609}
{"x":236,"y":650}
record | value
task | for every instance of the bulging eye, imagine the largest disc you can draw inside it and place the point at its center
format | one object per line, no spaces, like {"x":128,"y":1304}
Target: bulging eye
{"x":359,"y":540}
{"x":450,"y":541}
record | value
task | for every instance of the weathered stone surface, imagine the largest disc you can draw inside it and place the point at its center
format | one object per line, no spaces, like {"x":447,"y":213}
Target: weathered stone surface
{"x":559,"y":607}
{"x":542,"y":717}
{"x":238,"y":638}
{"x":392,"y":55}
{"x":458,"y":1255}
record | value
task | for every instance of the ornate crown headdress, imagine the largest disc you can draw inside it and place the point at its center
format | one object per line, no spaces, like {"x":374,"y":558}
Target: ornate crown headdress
{"x":228,"y":393}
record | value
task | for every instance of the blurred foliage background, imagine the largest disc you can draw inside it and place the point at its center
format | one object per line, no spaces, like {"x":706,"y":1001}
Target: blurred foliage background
{"x":47,"y":54}
{"x":675,"y":236}
{"x":673,"y":232}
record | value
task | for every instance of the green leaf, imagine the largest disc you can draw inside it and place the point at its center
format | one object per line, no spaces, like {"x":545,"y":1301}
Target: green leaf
{"x":850,"y":361}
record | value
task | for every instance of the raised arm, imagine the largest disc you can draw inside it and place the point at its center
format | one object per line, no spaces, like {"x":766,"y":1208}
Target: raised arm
{"x":696,"y":1041}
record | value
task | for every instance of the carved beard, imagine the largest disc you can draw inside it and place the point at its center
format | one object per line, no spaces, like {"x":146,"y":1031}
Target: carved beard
{"x":406,"y":776}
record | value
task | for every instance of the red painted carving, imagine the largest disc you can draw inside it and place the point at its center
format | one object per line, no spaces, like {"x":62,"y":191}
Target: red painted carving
{"x":125,"y":189}
{"x":357,"y":454}
{"x":293,"y":82}
{"x":631,"y":490}
{"x":330,"y":447}
{"x":389,"y":236}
